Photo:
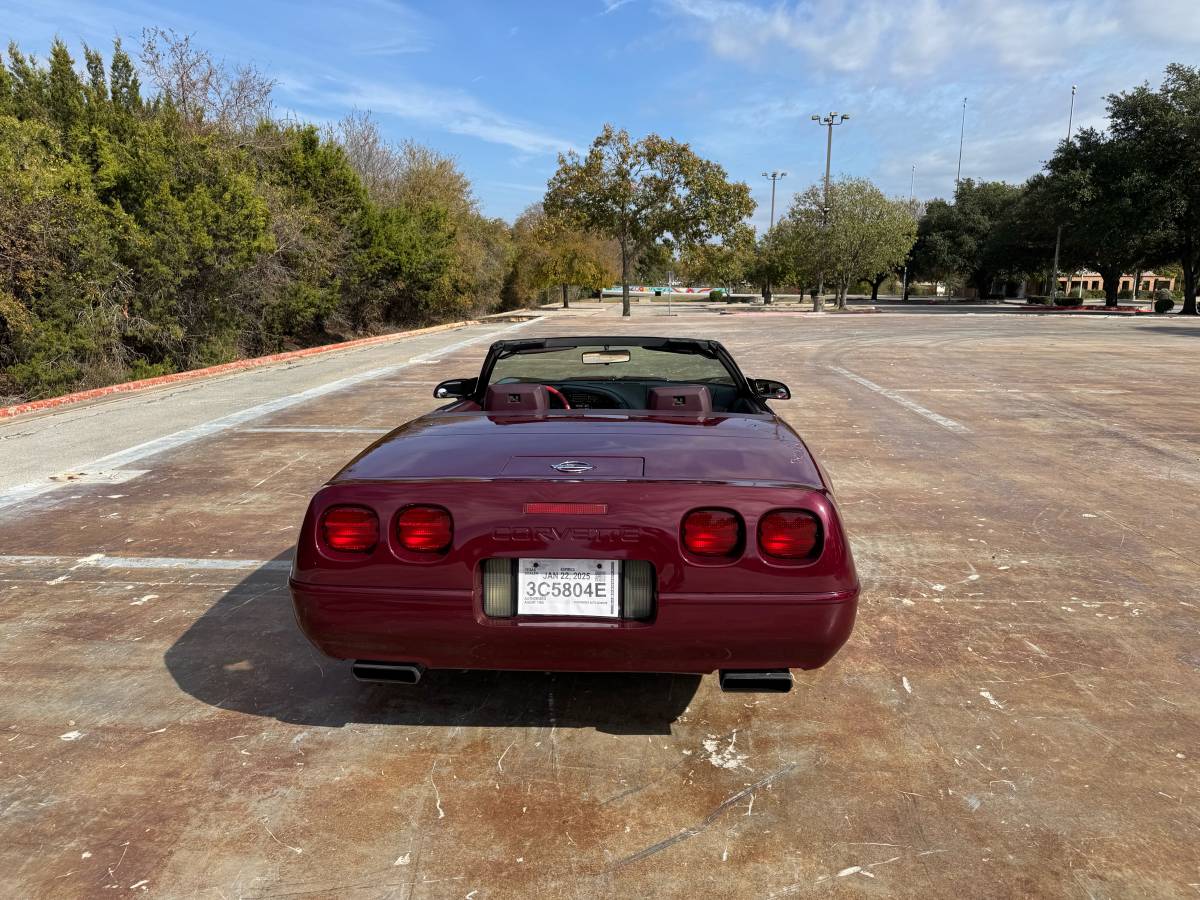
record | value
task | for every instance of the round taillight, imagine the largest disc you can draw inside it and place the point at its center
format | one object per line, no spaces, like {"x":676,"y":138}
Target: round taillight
{"x":712,"y":532}
{"x":789,"y":534}
{"x":424,"y":529}
{"x":350,"y":529}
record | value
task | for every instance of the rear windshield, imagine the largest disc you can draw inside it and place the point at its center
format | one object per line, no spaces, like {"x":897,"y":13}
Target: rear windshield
{"x":643,"y":364}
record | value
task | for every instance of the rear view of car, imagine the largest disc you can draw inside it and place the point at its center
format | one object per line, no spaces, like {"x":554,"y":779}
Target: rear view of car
{"x":658,"y":535}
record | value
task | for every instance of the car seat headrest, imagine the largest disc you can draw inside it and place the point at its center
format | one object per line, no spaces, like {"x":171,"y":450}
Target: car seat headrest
{"x":524,"y":398}
{"x":684,"y":398}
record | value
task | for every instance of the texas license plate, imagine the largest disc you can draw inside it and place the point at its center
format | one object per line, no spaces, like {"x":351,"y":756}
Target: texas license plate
{"x":569,"y":587}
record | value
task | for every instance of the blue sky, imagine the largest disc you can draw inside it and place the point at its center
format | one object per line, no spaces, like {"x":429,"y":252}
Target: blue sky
{"x":504,"y":87}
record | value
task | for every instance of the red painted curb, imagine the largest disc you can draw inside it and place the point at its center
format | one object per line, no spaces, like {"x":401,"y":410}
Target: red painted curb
{"x":224,"y":368}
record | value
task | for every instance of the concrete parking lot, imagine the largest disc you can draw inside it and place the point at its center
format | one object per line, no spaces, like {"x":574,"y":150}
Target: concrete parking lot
{"x":1016,"y":714}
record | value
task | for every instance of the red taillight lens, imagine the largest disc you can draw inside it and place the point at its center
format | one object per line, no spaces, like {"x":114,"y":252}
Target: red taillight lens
{"x":712,"y":532}
{"x":424,"y":529}
{"x":350,"y":529}
{"x":789,"y":534}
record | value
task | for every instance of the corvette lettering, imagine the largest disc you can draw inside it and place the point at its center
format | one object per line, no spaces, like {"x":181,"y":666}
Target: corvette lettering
{"x":548,"y":534}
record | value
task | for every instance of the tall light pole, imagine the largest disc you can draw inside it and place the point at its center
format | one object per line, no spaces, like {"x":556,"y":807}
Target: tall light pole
{"x":1058,"y":234}
{"x":962,"y":130}
{"x":774,"y":176}
{"x":828,"y":121}
{"x":911,"y":181}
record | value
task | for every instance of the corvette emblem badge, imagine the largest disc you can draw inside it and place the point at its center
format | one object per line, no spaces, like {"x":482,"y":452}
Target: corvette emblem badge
{"x":573,"y":466}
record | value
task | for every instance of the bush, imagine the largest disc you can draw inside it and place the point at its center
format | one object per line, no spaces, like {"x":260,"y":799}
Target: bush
{"x":136,"y":241}
{"x":1163,"y":301}
{"x":716,"y":294}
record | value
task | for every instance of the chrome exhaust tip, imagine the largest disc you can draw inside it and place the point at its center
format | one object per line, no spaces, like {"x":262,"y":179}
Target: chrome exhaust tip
{"x":772,"y":681}
{"x":387,"y":673}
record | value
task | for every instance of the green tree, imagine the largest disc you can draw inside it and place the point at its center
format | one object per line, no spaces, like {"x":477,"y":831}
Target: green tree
{"x":952,"y":237}
{"x":64,"y":91}
{"x":1163,"y":130}
{"x":124,"y":86}
{"x":1020,"y":242}
{"x":727,"y":263}
{"x":858,"y":234}
{"x":574,"y":258}
{"x":640,"y":192}
{"x":554,"y":253}
{"x":1101,"y":187}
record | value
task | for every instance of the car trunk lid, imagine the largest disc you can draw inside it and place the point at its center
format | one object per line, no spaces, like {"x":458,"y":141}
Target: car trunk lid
{"x":625,"y":446}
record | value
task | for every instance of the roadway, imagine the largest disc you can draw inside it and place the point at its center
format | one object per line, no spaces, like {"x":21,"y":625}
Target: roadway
{"x":1016,"y":714}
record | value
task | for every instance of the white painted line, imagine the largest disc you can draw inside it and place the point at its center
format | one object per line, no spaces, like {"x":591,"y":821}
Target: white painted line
{"x":895,"y":397}
{"x":100,"y":561}
{"x":311,"y":429}
{"x":25,"y":492}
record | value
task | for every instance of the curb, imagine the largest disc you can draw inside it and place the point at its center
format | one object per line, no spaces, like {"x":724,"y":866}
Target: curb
{"x":222,"y":369}
{"x":793,"y":313}
{"x":1084,"y":311}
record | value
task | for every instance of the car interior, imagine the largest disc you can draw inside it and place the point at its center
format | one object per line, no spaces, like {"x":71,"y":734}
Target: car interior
{"x":659,"y":396}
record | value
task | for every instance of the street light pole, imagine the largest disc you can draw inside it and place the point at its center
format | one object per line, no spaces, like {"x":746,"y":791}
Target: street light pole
{"x":828,"y":121}
{"x":911,"y":181}
{"x":962,"y":130}
{"x":1058,"y":234}
{"x":774,"y":176}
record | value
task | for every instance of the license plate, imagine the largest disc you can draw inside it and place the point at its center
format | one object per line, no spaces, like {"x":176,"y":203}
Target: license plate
{"x":569,"y":587}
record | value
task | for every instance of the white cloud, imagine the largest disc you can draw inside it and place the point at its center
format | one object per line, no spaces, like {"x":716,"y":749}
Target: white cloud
{"x":902,"y":70}
{"x":927,"y":36}
{"x":451,"y":110}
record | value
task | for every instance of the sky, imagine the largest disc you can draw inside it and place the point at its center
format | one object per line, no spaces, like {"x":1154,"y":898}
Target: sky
{"x":504,"y":87}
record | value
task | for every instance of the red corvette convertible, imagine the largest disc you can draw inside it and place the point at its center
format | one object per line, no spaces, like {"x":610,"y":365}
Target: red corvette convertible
{"x":591,"y":504}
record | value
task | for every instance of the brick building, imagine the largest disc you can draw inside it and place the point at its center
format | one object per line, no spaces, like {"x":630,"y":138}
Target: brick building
{"x":1091,"y":281}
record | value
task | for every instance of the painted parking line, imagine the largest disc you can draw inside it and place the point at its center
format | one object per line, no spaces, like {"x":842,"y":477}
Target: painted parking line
{"x":895,"y":397}
{"x":101,"y":561}
{"x":28,"y":491}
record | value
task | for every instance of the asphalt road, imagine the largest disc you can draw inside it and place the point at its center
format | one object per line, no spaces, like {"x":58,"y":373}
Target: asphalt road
{"x":1017,"y":713}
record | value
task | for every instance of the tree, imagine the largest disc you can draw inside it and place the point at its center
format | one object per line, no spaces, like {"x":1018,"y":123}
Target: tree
{"x":640,"y":192}
{"x":860,"y":234}
{"x":726,"y":263}
{"x":574,"y":257}
{"x":374,"y":159}
{"x":1101,"y":187}
{"x":774,"y":261}
{"x":553,"y":253}
{"x":1163,"y":129}
{"x":65,"y":91}
{"x":417,"y":177}
{"x":1020,"y":243}
{"x":124,"y":86}
{"x":952,"y":237}
{"x":207,"y":95}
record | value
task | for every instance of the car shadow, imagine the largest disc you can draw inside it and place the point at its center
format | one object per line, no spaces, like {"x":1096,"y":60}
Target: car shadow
{"x":247,"y":654}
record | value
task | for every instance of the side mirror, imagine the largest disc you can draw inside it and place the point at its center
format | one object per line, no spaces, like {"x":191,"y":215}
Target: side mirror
{"x":455,"y":388}
{"x":768,"y":389}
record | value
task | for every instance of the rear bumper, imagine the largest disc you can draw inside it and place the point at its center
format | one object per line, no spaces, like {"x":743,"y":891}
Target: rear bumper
{"x":690,"y":632}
